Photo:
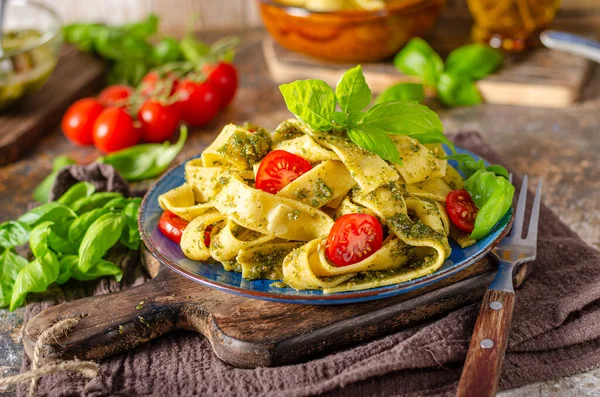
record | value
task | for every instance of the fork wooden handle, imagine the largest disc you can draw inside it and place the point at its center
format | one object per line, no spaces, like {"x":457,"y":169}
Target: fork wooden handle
{"x":481,"y":373}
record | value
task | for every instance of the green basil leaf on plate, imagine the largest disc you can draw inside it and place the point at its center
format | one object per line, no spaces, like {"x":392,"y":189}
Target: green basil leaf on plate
{"x":10,"y":266}
{"x":42,"y":191}
{"x":375,"y":141}
{"x":417,"y":58}
{"x":75,"y":192}
{"x":145,"y":161}
{"x":352,"y":92}
{"x":458,"y":90}
{"x":99,"y":238}
{"x":474,"y":60}
{"x":13,"y":234}
{"x":402,"y":92}
{"x":400,"y":117}
{"x":311,"y":101}
{"x":468,"y":165}
{"x":493,"y":195}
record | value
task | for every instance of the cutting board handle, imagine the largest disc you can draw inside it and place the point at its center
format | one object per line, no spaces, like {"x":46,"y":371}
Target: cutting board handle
{"x":115,"y":322}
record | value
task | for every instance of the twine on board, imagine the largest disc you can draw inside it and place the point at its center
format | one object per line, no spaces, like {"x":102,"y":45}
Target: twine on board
{"x":89,"y":369}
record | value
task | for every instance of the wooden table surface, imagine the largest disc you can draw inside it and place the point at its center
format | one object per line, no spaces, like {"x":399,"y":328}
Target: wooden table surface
{"x":562,"y":146}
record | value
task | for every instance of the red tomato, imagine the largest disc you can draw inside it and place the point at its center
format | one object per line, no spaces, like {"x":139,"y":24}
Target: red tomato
{"x":199,"y":102}
{"x":278,"y":169}
{"x":115,"y":95}
{"x":353,"y":238}
{"x":224,"y":77}
{"x":461,"y":209}
{"x":114,"y":130}
{"x":78,"y":122}
{"x":152,"y":83}
{"x":207,"y":235}
{"x":159,"y":121}
{"x":172,"y":226}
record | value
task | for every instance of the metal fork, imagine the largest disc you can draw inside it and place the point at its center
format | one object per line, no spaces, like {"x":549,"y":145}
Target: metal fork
{"x":483,"y":365}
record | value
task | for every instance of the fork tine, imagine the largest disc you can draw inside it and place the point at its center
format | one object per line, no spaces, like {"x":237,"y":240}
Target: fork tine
{"x":520,"y":217}
{"x":535,"y":215}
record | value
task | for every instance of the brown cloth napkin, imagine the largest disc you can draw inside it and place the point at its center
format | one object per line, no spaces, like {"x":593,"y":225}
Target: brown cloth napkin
{"x":555,"y":332}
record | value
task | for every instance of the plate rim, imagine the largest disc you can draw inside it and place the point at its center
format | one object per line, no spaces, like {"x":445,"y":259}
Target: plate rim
{"x":333,"y":298}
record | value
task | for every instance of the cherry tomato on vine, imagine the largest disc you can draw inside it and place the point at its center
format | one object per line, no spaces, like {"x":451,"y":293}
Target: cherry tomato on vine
{"x":114,"y":130}
{"x":199,"y":102}
{"x":278,"y":169}
{"x":159,"y":120}
{"x":172,"y":226}
{"x":115,"y":95}
{"x":461,"y":209}
{"x":224,"y":77}
{"x":353,"y":238}
{"x":153,"y":84}
{"x":78,"y":121}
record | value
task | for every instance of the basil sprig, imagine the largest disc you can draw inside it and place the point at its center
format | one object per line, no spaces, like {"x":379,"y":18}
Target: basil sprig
{"x":315,"y":103}
{"x":454,"y":81}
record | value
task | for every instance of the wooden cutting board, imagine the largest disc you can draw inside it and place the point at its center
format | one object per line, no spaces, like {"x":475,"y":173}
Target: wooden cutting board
{"x":543,"y":78}
{"x":244,"y":332}
{"x":21,"y":125}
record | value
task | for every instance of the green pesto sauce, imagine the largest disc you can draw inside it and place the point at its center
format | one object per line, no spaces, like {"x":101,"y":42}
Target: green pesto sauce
{"x":322,"y":191}
{"x":248,"y":147}
{"x":268,"y":265}
{"x":416,"y":230}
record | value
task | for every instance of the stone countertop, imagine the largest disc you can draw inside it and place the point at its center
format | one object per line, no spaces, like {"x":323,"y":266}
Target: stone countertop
{"x":560,"y":145}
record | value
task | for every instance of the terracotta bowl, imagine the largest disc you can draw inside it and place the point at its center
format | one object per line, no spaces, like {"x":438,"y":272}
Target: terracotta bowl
{"x":350,"y":36}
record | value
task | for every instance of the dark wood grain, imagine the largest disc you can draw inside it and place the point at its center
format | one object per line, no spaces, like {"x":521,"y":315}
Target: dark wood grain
{"x":76,"y":75}
{"x":481,"y":372}
{"x":244,"y":332}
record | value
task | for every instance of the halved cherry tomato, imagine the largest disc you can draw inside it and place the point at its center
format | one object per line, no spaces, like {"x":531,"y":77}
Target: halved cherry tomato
{"x":224,"y":77}
{"x":278,"y":169}
{"x":152,"y":83}
{"x":353,"y":238}
{"x":114,"y":130}
{"x":172,"y":226}
{"x":461,"y":209}
{"x":159,"y":121}
{"x":199,"y":102}
{"x":207,"y":235}
{"x":115,"y":95}
{"x":78,"y":121}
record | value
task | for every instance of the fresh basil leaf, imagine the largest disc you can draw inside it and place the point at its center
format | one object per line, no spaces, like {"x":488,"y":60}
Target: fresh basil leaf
{"x":498,"y":170}
{"x":85,"y":35}
{"x":398,"y":117}
{"x":60,"y":244}
{"x":13,"y":234}
{"x":474,"y":60}
{"x":493,"y":195}
{"x":116,"y":203}
{"x":145,"y":161}
{"x":458,"y":90}
{"x":417,"y":58}
{"x":75,"y":192}
{"x":66,"y":262}
{"x":166,"y":51}
{"x":128,"y":71}
{"x":130,"y":237}
{"x":99,"y":238}
{"x":352,"y":92}
{"x":193,"y":50}
{"x":142,"y":29}
{"x":402,"y":92}
{"x":375,"y":141}
{"x":42,"y":191}
{"x":433,"y":137}
{"x":468,"y":165}
{"x":54,"y":212}
{"x":101,"y":268}
{"x":80,"y":225}
{"x":96,"y":200}
{"x":312,"y":101}
{"x":10,"y":266}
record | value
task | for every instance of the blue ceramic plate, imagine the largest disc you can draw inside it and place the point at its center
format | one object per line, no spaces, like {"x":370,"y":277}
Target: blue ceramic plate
{"x":213,"y":274}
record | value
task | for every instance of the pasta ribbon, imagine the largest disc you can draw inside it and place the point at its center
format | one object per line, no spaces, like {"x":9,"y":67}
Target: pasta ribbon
{"x":192,"y":239}
{"x":181,"y":202}
{"x":265,"y":261}
{"x":228,"y":240}
{"x":418,"y":162}
{"x":307,"y":148}
{"x":237,"y":147}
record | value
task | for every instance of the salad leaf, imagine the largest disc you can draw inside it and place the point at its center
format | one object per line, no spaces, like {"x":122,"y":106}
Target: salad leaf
{"x":474,"y":60}
{"x":352,"y":92}
{"x":312,"y":101}
{"x":10,"y":266}
{"x":402,"y":92}
{"x":13,"y":234}
{"x":398,"y":117}
{"x":417,"y":58}
{"x":42,"y":191}
{"x":75,"y":192}
{"x":99,"y":238}
{"x":458,"y":90}
{"x":55,"y":212}
{"x":145,"y":161}
{"x":493,"y":195}
{"x":375,"y":141}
